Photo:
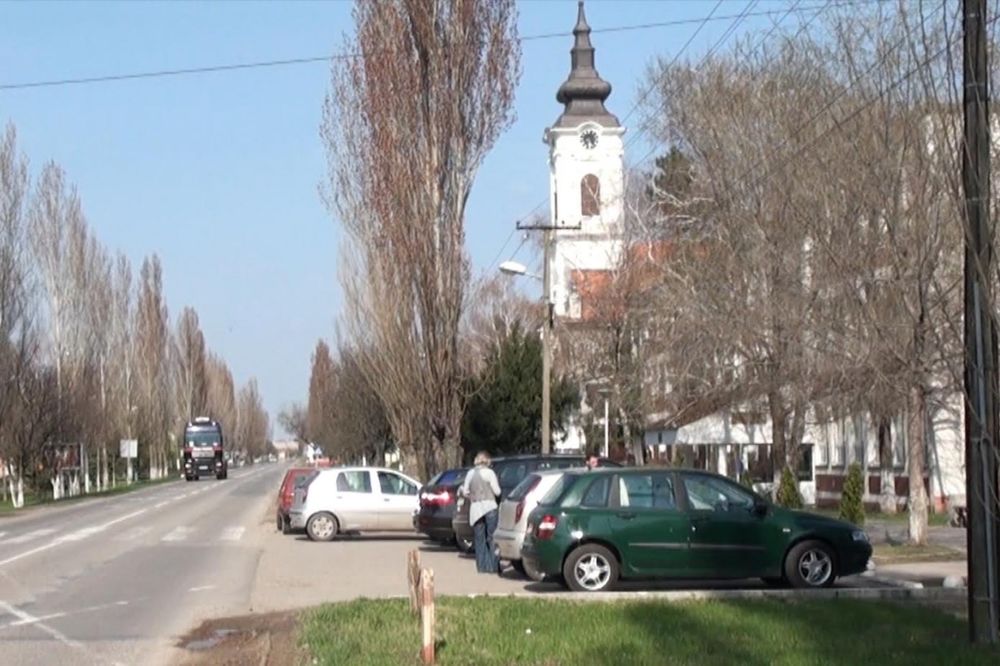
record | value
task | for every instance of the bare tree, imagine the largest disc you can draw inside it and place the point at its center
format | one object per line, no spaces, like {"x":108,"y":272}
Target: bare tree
{"x":221,"y":392}
{"x":153,"y":372}
{"x":252,"y":429}
{"x":295,"y":421}
{"x":406,"y":126}
{"x":18,"y":338}
{"x":191,"y":380}
{"x":322,"y":388}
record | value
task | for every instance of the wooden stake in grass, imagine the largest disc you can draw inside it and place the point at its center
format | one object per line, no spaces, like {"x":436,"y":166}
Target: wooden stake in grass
{"x":413,"y":579}
{"x":427,"y":615}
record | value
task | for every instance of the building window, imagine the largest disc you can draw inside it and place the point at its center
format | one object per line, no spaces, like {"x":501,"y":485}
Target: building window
{"x":590,"y":195}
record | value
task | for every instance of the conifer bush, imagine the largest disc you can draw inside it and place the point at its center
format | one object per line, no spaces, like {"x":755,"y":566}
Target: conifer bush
{"x":788,"y":491}
{"x":852,"y":507}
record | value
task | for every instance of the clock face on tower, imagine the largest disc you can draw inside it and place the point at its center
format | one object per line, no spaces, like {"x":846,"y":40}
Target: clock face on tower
{"x":589,"y":139}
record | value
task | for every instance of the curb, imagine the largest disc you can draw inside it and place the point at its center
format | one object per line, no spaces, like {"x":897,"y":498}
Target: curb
{"x":888,"y":593}
{"x":893,"y":582}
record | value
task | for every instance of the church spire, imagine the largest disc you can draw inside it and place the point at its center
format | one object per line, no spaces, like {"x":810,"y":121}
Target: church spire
{"x":584,"y":91}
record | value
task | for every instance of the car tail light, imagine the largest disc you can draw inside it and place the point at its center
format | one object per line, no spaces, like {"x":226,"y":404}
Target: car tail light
{"x":441,"y":498}
{"x":546,"y":526}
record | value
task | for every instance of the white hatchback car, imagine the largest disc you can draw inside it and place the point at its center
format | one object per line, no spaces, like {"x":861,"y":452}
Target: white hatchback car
{"x":355,"y":499}
{"x":514,"y":512}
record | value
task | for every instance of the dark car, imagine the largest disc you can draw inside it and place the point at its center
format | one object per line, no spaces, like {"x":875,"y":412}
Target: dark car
{"x":510,"y":471}
{"x":294,"y":477}
{"x":437,"y":505}
{"x":593,"y":529}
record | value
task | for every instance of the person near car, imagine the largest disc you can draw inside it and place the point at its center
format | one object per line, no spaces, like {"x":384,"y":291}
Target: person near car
{"x":592,"y":461}
{"x":482,"y":488}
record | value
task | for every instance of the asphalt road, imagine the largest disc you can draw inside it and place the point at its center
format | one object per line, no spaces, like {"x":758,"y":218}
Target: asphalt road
{"x":115,"y":580}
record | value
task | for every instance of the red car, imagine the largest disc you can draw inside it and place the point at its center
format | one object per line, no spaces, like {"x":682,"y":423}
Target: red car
{"x":286,"y":494}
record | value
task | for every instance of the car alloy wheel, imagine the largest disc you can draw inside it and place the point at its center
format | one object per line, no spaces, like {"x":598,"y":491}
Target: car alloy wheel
{"x":815,"y":567}
{"x":590,"y":568}
{"x":811,"y":564}
{"x":321,"y":527}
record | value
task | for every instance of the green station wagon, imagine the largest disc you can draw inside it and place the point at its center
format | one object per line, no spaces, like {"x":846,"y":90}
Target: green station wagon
{"x":595,"y":527}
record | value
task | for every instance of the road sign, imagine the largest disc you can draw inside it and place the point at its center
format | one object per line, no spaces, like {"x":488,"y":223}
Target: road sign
{"x":129,"y":448}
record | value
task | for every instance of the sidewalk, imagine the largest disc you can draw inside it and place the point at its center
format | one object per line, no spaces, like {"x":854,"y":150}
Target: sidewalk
{"x":928,"y":574}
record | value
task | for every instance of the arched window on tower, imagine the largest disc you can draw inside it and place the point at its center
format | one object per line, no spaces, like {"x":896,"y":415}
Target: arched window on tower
{"x":590,"y":195}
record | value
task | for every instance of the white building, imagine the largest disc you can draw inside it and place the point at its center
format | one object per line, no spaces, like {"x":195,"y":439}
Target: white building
{"x":586,"y":178}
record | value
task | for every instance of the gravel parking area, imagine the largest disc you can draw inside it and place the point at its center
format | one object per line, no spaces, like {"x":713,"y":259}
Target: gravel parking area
{"x":295,"y":572}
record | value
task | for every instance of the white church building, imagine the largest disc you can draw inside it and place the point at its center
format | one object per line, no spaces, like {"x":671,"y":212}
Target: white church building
{"x":587,"y":182}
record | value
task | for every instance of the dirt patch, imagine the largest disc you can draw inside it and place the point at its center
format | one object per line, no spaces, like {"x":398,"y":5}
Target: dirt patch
{"x":266,"y":639}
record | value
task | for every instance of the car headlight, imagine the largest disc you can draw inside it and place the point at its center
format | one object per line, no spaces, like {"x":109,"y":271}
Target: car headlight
{"x":859,"y":535}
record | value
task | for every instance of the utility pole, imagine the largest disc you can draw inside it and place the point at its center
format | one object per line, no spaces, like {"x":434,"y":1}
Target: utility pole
{"x":980,"y":337}
{"x":547,"y":325}
{"x":546,"y":345}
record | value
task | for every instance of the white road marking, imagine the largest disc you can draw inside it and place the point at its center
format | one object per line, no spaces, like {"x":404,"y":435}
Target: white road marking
{"x":178,"y":534}
{"x":232,"y":534}
{"x":134,"y":534}
{"x":56,"y":542}
{"x":2,"y":535}
{"x":79,"y":535}
{"x":29,"y":619}
{"x":54,"y":633}
{"x":201,"y":589}
{"x":161,"y":504}
{"x":30,"y":536}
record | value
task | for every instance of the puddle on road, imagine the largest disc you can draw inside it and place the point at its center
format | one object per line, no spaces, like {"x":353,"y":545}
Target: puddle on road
{"x":217,"y":637}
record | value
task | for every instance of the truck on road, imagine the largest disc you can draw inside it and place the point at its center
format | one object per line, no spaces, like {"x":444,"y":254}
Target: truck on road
{"x":203,"y":449}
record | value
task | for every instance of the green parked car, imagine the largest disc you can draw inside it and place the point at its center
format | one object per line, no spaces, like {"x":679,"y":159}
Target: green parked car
{"x":595,"y":527}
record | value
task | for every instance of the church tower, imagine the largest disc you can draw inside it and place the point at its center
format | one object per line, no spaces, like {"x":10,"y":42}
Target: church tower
{"x":586,"y":174}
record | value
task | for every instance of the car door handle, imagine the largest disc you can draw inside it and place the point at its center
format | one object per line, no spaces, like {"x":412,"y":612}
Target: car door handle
{"x":626,"y":515}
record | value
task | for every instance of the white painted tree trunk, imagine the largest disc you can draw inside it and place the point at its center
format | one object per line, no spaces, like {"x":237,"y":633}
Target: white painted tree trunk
{"x":19,"y":491}
{"x":916,"y":466}
{"x":56,"y":482}
{"x":85,"y":462}
{"x":128,"y":472}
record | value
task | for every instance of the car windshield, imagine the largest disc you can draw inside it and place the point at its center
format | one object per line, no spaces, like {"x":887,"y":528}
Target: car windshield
{"x":202,"y":439}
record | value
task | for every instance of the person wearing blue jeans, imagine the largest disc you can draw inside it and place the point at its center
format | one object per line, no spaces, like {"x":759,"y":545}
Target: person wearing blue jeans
{"x":482,"y":488}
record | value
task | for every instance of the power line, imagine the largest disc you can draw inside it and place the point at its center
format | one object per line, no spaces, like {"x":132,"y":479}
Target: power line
{"x":802,"y":28}
{"x":855,"y":113}
{"x":207,"y":69}
{"x":676,"y":57}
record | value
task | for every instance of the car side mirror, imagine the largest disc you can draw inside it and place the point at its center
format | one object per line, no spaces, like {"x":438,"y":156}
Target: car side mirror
{"x":760,"y":508}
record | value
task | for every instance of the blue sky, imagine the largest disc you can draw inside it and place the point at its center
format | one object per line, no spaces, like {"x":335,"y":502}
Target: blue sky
{"x":218,"y":173}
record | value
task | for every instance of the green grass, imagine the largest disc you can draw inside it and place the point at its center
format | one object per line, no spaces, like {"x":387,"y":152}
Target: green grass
{"x":38,"y":500}
{"x":748,"y":633}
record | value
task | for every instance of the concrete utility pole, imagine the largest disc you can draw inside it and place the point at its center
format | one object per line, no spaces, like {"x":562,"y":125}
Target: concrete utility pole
{"x":981,"y":469}
{"x":546,"y":344}
{"x":547,"y":325}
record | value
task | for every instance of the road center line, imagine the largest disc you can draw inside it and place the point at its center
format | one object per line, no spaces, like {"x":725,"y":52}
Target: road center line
{"x":89,"y":532}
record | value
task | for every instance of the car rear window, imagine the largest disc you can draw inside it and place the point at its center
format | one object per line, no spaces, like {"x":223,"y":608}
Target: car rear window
{"x":511,"y":474}
{"x":451,"y":477}
{"x":524,"y":487}
{"x":556,"y":492}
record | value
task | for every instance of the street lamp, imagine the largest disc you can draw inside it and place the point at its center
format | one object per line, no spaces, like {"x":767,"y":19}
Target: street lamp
{"x":515,"y":268}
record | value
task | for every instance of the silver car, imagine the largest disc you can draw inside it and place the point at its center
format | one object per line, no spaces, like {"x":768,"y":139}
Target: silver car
{"x":355,"y":499}
{"x":514,"y":512}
